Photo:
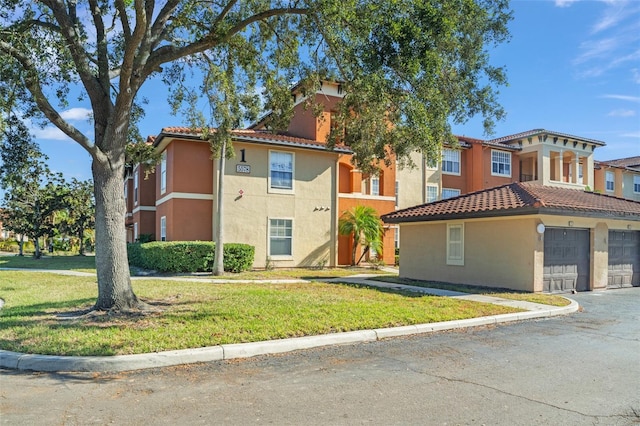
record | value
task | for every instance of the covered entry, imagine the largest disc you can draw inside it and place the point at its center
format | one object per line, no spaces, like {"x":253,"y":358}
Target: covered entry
{"x":566,"y":259}
{"x":624,"y":259}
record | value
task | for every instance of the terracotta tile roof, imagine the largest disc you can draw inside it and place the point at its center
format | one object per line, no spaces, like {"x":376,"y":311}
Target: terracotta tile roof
{"x":633,"y":162}
{"x":259,"y":136}
{"x":472,"y":141}
{"x":517,"y":199}
{"x":536,"y":132}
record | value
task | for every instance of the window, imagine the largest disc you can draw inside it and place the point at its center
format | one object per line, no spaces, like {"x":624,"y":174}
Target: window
{"x":455,"y":244}
{"x":580,"y":174}
{"x":126,"y":191}
{"x":449,"y":193}
{"x":280,"y":237}
{"x":432,"y":193}
{"x":500,"y":163}
{"x":163,"y":173}
{"x":451,"y":161}
{"x":636,"y":184}
{"x":281,"y":170}
{"x":135,"y":231}
{"x":396,"y":237}
{"x":163,"y":228}
{"x":609,"y":181}
{"x":375,"y":186}
{"x":397,"y":192}
{"x":135,"y":186}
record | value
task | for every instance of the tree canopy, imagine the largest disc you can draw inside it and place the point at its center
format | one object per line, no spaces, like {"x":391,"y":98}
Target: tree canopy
{"x":408,"y":67}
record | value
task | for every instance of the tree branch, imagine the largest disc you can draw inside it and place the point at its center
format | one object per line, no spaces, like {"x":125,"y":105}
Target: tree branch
{"x":170,"y":53}
{"x":33,"y":85}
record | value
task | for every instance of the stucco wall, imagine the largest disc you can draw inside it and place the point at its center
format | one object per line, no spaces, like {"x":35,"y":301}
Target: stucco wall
{"x":500,"y":252}
{"x":496,"y":253}
{"x":311,"y":204}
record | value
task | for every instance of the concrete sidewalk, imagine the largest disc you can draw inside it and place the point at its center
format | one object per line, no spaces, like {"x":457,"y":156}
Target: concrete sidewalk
{"x":20,"y":361}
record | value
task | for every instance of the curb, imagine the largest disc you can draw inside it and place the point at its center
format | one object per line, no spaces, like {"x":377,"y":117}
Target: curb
{"x":119,"y":363}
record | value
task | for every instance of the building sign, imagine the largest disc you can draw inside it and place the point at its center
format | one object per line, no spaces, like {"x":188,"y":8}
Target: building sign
{"x":243,"y":168}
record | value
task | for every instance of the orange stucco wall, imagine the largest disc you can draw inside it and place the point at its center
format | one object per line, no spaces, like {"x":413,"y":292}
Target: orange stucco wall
{"x":187,"y":220}
{"x":189,"y":167}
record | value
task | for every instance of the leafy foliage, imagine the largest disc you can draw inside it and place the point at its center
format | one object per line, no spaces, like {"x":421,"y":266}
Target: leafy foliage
{"x":407,"y":67}
{"x":189,"y":256}
{"x":364,"y":225}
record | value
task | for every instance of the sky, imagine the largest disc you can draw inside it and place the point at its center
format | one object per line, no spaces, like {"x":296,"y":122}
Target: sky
{"x":573,"y":67}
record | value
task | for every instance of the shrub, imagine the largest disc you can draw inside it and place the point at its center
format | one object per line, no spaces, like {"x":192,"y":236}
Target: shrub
{"x":9,"y":246}
{"x":188,"y":256}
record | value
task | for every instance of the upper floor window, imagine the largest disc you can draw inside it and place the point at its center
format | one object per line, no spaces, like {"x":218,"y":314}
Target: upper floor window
{"x":610,"y":184}
{"x":397,"y":192}
{"x":636,"y":184}
{"x":375,"y":186}
{"x":449,"y":193}
{"x":500,"y":163}
{"x":451,"y":161}
{"x":163,"y":228}
{"x":163,"y":173}
{"x":281,"y":170}
{"x":135,"y":186}
{"x":431,"y":193}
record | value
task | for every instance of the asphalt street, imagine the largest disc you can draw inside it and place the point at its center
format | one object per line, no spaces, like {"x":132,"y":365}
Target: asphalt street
{"x":579,"y":369}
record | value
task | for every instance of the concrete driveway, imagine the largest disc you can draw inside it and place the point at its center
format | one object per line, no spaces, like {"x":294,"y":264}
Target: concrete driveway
{"x":573,"y":370}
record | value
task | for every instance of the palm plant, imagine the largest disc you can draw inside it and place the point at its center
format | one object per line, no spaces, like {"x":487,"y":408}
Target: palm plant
{"x":364,"y":224}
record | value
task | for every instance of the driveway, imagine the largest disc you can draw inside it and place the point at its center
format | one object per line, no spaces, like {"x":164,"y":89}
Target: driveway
{"x":580,"y":369}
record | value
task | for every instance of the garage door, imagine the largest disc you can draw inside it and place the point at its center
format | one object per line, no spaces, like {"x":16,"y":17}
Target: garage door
{"x":566,"y":259}
{"x":624,"y":259}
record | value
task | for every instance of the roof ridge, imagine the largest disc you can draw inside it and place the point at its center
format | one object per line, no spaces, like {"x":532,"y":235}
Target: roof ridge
{"x":524,"y":190}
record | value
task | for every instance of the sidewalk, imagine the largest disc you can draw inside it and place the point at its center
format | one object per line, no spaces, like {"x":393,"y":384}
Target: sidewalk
{"x":20,"y":361}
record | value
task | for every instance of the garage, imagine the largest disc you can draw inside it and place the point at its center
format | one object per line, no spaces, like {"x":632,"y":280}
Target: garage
{"x":624,"y":259}
{"x":566,"y":260}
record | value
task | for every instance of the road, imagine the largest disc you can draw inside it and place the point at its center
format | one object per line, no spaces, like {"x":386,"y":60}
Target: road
{"x":574,"y":370}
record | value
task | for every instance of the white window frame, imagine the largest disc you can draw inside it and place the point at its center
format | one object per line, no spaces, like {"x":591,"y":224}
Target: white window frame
{"x":609,"y":178}
{"x":135,"y":186}
{"x":451,"y":160}
{"x":163,"y":173}
{"x":375,"y":186}
{"x":163,"y":228}
{"x":500,"y":158}
{"x":435,"y":193}
{"x":135,"y":231}
{"x":397,"y":194}
{"x":455,"y":247}
{"x":126,"y":191}
{"x":278,"y":189}
{"x":636,"y":184}
{"x":452,"y":191}
{"x":290,"y":237}
{"x":396,"y":237}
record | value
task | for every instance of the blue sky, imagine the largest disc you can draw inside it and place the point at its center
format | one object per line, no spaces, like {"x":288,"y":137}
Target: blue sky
{"x":573,"y":67}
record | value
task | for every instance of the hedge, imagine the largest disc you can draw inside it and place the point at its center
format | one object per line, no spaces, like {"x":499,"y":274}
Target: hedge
{"x":189,"y":256}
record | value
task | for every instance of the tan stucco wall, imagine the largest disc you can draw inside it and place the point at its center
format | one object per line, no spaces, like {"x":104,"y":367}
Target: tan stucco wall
{"x":500,"y":252}
{"x":311,"y":205}
{"x":496,"y":253}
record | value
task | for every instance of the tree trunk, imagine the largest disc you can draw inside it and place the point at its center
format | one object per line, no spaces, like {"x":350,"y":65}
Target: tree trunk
{"x":218,"y":261}
{"x":36,"y":246}
{"x":21,"y":245}
{"x":114,"y":282}
{"x":354,"y":248}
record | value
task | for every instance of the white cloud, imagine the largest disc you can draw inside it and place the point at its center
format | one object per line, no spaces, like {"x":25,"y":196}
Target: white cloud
{"x":76,"y":114}
{"x":615,"y":13}
{"x":631,"y":135}
{"x":635,"y":75}
{"x":622,"y":113}
{"x":49,"y":133}
{"x":564,"y":3}
{"x":623,"y":98}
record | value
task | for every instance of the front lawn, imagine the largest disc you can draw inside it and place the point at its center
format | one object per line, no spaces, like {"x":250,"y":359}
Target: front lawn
{"x":35,"y":316}
{"x":67,"y":263}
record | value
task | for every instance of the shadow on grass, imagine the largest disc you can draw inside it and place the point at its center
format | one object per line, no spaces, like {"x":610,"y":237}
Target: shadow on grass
{"x":462,"y":288}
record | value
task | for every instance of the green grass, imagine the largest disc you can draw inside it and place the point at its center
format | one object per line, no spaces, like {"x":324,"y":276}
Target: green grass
{"x":198,"y":315}
{"x":69,"y":263}
{"x":546,"y":299}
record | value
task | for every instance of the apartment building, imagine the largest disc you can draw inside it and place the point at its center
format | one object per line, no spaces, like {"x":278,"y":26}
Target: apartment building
{"x":284,"y":193}
{"x":620,"y":178}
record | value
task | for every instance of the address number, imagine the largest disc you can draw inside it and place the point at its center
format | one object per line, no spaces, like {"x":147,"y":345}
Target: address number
{"x":243,"y":168}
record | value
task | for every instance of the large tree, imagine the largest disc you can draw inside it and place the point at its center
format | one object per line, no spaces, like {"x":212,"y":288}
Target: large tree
{"x":408,"y":68}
